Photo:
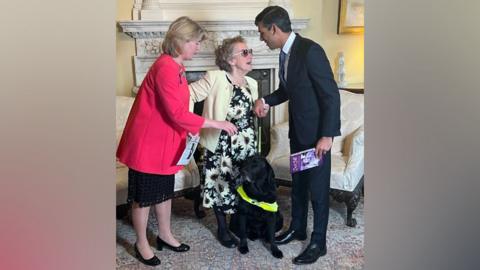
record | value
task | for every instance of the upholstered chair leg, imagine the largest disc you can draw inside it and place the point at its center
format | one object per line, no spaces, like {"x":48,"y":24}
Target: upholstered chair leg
{"x":195,"y":195}
{"x":122,"y":211}
{"x":351,"y":201}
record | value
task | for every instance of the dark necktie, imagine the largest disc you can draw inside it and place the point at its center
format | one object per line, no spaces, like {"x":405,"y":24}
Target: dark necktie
{"x":281,"y":74}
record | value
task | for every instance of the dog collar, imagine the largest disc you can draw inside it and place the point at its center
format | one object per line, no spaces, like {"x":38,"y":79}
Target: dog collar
{"x":271,"y":207}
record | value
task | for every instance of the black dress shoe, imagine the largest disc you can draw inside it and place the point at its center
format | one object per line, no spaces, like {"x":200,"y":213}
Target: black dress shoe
{"x":227,"y":240}
{"x":310,"y":254}
{"x":161,"y":244}
{"x":288,"y":236}
{"x":151,"y":262}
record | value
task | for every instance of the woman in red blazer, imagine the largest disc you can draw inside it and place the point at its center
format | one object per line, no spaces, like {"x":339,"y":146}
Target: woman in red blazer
{"x":155,"y":134}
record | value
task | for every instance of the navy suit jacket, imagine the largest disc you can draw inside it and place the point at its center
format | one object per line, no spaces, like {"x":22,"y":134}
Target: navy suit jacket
{"x":314,"y":100}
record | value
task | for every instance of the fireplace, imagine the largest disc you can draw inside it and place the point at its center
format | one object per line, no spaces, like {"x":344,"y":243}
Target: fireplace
{"x":151,"y":19}
{"x":262,"y":76}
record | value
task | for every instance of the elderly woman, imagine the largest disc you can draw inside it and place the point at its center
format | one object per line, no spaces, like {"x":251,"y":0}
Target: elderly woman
{"x":154,"y":137}
{"x":228,"y":95}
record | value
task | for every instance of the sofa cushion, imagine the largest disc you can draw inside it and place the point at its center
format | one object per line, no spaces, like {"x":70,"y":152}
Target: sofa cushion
{"x":337,"y":178}
{"x":123,"y":105}
{"x":340,"y":179}
{"x":282,"y":167}
{"x":351,"y":117}
{"x":122,"y":185}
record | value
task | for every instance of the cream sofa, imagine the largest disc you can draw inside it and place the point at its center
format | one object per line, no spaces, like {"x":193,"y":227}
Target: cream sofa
{"x":346,"y":180}
{"x":187,"y":181}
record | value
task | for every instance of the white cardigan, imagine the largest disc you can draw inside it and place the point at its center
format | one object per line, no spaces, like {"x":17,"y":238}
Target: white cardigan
{"x":217,"y":92}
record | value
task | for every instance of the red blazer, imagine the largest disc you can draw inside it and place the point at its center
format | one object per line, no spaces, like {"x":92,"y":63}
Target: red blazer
{"x":154,"y":135}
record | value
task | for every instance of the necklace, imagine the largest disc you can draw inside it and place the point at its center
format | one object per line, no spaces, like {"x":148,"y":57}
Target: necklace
{"x":237,"y":82}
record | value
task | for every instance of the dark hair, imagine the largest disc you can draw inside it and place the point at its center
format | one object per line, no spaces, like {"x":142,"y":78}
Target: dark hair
{"x":224,"y":52}
{"x":274,"y":15}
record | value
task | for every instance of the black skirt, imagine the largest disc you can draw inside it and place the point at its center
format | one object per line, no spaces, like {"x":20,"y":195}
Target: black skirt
{"x":148,"y":189}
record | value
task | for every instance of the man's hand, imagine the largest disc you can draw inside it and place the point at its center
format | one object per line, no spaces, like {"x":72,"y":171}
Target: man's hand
{"x":260,"y":109}
{"x":323,"y":146}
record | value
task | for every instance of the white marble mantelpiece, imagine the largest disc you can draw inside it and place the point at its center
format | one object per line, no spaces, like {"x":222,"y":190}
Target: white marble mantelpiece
{"x":144,"y":28}
{"x":168,"y":10}
{"x":149,"y":35}
{"x":220,"y":18}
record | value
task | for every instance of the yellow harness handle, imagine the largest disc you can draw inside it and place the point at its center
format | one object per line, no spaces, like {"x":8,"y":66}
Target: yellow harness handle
{"x":271,"y":207}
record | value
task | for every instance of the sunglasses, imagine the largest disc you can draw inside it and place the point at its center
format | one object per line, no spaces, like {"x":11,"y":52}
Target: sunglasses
{"x":244,"y":52}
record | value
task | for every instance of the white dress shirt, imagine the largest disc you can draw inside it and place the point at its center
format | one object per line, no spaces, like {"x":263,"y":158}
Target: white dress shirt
{"x":286,"y":49}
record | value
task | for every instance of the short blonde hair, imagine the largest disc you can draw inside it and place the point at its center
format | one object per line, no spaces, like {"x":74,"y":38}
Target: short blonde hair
{"x":181,"y":31}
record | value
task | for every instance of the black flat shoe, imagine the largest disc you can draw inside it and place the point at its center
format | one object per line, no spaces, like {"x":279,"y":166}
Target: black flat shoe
{"x":181,"y":248}
{"x":289,"y":235}
{"x":227,"y":241}
{"x":310,"y":254}
{"x":151,"y":262}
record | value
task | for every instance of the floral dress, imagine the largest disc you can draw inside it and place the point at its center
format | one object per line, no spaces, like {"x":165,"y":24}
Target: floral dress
{"x":222,"y":167}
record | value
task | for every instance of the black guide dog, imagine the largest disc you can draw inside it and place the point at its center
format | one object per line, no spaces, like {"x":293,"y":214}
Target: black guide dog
{"x":257,"y":213}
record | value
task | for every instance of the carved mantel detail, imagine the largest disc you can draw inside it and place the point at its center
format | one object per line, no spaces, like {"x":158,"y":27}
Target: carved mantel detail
{"x":149,"y":35}
{"x":220,"y":18}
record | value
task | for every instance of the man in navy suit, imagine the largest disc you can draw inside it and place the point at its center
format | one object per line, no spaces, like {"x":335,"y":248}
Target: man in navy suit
{"x":306,"y":81}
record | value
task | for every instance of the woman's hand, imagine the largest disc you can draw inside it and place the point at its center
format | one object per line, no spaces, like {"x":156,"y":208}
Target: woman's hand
{"x":230,"y":128}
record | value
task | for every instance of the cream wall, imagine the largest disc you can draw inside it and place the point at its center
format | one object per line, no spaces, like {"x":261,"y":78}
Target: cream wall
{"x":125,"y":51}
{"x":322,"y":28}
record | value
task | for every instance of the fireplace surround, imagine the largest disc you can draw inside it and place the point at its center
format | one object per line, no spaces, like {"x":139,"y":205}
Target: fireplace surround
{"x":221,"y":19}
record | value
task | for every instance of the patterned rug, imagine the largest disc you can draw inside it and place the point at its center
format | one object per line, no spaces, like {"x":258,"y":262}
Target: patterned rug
{"x":344,"y":244}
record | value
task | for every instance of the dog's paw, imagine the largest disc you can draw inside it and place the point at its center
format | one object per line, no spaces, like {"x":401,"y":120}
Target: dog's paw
{"x":277,"y":253}
{"x":351,"y":222}
{"x":243,"y":249}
